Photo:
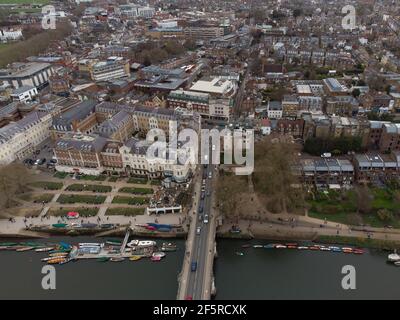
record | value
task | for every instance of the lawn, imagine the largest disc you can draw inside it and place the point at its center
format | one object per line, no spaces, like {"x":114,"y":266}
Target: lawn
{"x":124,"y":211}
{"x":46,"y":197}
{"x":113,"y":179}
{"x":24,"y":2}
{"x":47,"y":185}
{"x":89,"y":187}
{"x":342,"y":208}
{"x":76,"y":198}
{"x":136,"y":190}
{"x":101,"y":177}
{"x":130,"y":200}
{"x":137,"y":180}
{"x":83,"y":212}
{"x":60,"y":175}
{"x":155,"y":182}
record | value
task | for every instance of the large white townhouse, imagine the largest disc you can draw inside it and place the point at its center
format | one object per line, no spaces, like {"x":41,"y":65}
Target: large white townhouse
{"x":19,"y":139}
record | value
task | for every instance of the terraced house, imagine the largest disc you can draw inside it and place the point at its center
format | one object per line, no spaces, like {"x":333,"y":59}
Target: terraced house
{"x":19,"y":139}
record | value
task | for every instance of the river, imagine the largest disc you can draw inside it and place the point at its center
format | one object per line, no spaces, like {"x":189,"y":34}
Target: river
{"x":258,"y":274}
{"x":21,"y":277}
{"x":298,"y":274}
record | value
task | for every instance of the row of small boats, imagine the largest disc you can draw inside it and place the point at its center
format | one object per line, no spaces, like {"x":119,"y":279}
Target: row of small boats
{"x":314,"y":247}
{"x":156,"y":256}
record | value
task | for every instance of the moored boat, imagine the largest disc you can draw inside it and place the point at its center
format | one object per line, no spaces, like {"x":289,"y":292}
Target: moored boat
{"x":325,"y":249}
{"x":292,"y":246}
{"x":269,"y":246}
{"x":117,"y":259}
{"x":397,"y":263}
{"x":168,"y":246}
{"x":314,"y":248}
{"x":358,"y":251}
{"x":245,"y":246}
{"x":155,"y":258}
{"x":8,"y":244}
{"x":135,"y":258}
{"x":393,"y":257}
{"x":347,"y":250}
{"x":46,"y":249}
{"x":256,"y":246}
{"x":302,"y":248}
{"x":56,"y":261}
{"x":239,"y":253}
{"x":280,"y":246}
{"x":58,"y":254}
{"x":102,"y":259}
{"x":158,"y":254}
{"x":142,"y":243}
{"x":23,"y":249}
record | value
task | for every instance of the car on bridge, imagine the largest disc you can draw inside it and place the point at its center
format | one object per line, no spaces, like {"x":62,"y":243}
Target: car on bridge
{"x":193,"y":266}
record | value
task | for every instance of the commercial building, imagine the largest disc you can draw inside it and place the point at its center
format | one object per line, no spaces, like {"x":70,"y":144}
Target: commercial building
{"x":79,"y":118}
{"x":113,"y":68}
{"x":24,"y":94}
{"x":33,"y":74}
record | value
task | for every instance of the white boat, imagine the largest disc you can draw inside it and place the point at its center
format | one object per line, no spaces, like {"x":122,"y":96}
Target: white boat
{"x":397,"y":263}
{"x":82,"y":245}
{"x":302,"y":248}
{"x":257,"y":246}
{"x":393,"y":257}
{"x":158,"y":254}
{"x":44,"y":249}
{"x":142,"y":243}
{"x":280,"y":246}
{"x":325,"y":249}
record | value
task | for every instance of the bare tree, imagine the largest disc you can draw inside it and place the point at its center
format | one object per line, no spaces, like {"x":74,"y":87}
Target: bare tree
{"x":274,"y":176}
{"x":364,"y":199}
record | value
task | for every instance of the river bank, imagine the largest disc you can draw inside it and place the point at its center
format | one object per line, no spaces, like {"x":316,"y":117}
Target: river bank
{"x":314,"y":237}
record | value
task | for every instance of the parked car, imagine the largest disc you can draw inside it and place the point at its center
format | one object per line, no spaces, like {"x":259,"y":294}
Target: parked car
{"x":201,"y":209}
{"x":202,"y":195}
{"x":28,"y":162}
{"x":53,"y":161}
{"x":205,"y":219}
{"x":198,"y":230}
{"x":193,"y":266}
